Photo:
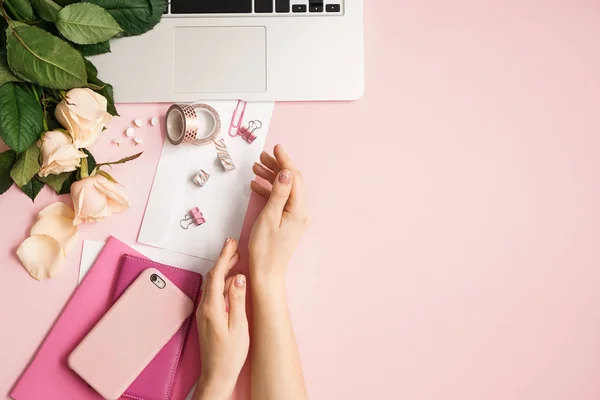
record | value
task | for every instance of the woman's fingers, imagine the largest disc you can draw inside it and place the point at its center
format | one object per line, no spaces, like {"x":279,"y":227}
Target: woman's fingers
{"x":280,"y":194}
{"x":264,"y":173}
{"x":237,"y":304}
{"x":233,"y":260}
{"x":215,"y":280}
{"x":270,"y":162}
{"x":260,"y":190}
{"x":297,"y":203}
{"x":227,"y":285}
{"x":282,"y":157}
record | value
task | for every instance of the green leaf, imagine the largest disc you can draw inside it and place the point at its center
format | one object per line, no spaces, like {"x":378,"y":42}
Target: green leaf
{"x":6,"y":75}
{"x":135,"y":16}
{"x":66,"y":187}
{"x":121,"y":161}
{"x":21,"y":117}
{"x":90,"y":69}
{"x":27,"y":166}
{"x":40,"y":57}
{"x":102,"y":88}
{"x":7,"y":160}
{"x":56,"y":182}
{"x":108,"y":93}
{"x":20,"y":9}
{"x":33,"y":188}
{"x":91,"y":161}
{"x":49,"y":27}
{"x":88,"y":50}
{"x":85,"y":23}
{"x":47,"y":9}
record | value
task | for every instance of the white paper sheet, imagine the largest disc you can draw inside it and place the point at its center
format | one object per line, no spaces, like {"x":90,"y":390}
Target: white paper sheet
{"x":91,"y":249}
{"x":223,"y":200}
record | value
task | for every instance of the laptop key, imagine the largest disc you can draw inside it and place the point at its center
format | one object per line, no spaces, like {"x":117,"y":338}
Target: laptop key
{"x":316,"y":6}
{"x":282,"y":6}
{"x":211,"y":6}
{"x":299,"y":8}
{"x":263,"y":6}
{"x":333,"y":8}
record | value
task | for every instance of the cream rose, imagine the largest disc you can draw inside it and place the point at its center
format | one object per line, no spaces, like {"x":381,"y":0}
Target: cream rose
{"x":83,"y":114}
{"x":96,"y":198}
{"x":58,"y":154}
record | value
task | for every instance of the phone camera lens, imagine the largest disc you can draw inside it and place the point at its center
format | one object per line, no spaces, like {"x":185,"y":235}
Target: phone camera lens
{"x":154,"y":278}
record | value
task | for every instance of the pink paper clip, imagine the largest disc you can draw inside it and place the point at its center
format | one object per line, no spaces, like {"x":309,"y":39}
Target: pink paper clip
{"x":237,"y":118}
{"x":194,"y":217}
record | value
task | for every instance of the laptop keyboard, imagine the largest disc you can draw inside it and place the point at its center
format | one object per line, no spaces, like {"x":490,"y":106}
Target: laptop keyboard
{"x":255,"y":7}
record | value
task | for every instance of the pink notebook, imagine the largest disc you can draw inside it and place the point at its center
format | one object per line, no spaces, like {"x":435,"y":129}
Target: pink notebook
{"x":156,"y":381}
{"x":48,"y":377}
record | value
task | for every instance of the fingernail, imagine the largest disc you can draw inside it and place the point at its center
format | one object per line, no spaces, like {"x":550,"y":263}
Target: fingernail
{"x":285,"y":176}
{"x":227,"y":241}
{"x":240,"y":281}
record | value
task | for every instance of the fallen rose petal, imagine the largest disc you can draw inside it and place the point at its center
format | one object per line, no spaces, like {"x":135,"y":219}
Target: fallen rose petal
{"x":41,"y":256}
{"x":59,"y":209}
{"x":59,"y":228}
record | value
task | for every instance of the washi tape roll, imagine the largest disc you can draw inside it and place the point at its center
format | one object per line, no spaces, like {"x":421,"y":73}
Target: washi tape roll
{"x":182,"y":124}
{"x":224,"y":155}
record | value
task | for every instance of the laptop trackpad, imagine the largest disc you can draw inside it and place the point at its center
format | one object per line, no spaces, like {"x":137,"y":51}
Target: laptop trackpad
{"x":220,"y":59}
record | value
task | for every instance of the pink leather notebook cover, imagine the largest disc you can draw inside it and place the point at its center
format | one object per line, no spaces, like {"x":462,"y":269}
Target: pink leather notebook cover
{"x":156,"y":381}
{"x":48,"y":377}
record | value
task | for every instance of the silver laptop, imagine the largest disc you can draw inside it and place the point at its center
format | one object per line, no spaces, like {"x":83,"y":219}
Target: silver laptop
{"x":281,"y":50}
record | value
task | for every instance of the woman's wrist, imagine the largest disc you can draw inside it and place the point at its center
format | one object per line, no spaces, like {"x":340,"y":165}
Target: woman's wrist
{"x":267,"y":277}
{"x":211,"y":389}
{"x":268,"y":289}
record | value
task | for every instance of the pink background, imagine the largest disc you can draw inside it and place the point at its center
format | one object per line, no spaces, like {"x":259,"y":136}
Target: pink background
{"x":454,"y":252}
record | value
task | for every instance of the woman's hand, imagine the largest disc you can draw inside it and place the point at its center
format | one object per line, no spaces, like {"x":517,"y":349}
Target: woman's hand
{"x":224,"y":336}
{"x":284,"y":219}
{"x":276,"y":369}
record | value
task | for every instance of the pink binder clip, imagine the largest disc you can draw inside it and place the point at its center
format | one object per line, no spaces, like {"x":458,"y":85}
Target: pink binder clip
{"x":195,"y":217}
{"x":248,"y":132}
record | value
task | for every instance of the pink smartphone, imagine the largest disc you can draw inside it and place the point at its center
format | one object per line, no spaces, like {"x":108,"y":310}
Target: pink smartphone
{"x":130,"y":334}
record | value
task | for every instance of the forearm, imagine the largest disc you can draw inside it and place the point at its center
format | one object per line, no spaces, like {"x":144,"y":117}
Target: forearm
{"x":276,"y":368}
